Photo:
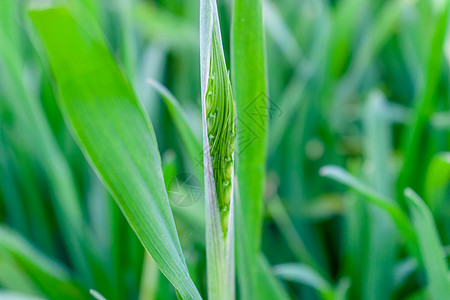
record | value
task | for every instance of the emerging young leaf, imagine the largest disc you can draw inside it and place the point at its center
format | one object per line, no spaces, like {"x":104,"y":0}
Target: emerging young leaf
{"x":221,"y":127}
{"x":218,"y":119}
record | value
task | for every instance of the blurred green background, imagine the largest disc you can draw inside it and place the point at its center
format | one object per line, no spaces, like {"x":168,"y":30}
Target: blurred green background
{"x":359,"y":84}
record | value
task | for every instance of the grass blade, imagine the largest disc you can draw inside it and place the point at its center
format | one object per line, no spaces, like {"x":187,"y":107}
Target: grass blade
{"x":190,"y":140}
{"x":150,"y":280}
{"x":14,"y":278}
{"x":382,"y":236}
{"x":248,"y":66}
{"x":7,"y":295}
{"x":430,"y":247}
{"x":50,"y":277}
{"x":161,"y":25}
{"x":295,"y":242}
{"x":437,"y":180}
{"x":97,"y":295}
{"x":218,"y":122}
{"x":306,"y":275}
{"x":28,"y":111}
{"x":399,"y":217}
{"x":278,"y":29}
{"x":270,"y":286}
{"x":412,"y":173}
{"x":14,"y":207}
{"x":115,"y":136}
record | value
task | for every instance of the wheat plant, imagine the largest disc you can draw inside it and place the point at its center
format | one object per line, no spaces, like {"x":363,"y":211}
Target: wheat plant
{"x":245,"y":149}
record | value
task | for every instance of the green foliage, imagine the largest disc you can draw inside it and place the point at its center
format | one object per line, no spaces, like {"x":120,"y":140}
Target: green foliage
{"x":221,"y":127}
{"x":248,"y":69}
{"x":92,"y":91}
{"x":115,"y":135}
{"x":52,"y":278}
{"x":430,"y":247}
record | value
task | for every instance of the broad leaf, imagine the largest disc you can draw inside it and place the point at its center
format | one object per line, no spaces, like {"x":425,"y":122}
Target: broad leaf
{"x":218,"y":132}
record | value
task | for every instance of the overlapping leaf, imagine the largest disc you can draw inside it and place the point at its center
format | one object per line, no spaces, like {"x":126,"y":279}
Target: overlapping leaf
{"x":116,"y":137}
{"x":218,"y":142}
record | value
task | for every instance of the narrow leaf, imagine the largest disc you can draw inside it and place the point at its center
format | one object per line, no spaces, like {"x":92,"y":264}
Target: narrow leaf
{"x":115,"y":135}
{"x":437,"y":180}
{"x":53,"y":279}
{"x":398,"y":216}
{"x":30,"y":114}
{"x":295,"y":242}
{"x":218,"y":122}
{"x":430,"y":246}
{"x":248,"y":66}
{"x":305,"y":275}
{"x":97,"y":295}
{"x":413,"y":170}
{"x":381,"y":230}
{"x":190,"y":140}
{"x":9,"y":295}
{"x":270,"y":286}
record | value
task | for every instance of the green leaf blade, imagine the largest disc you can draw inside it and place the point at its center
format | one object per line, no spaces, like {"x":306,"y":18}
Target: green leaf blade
{"x":51,"y":278}
{"x":115,"y":135}
{"x":191,"y":142}
{"x":218,"y":132}
{"x":430,"y":247}
{"x":249,"y":77}
{"x":398,"y":216}
{"x":306,"y":275}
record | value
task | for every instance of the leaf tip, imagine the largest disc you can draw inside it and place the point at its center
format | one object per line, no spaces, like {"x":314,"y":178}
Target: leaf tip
{"x":413,"y":198}
{"x":327,"y":171}
{"x":96,"y":295}
{"x":410,"y":194}
{"x":151,"y":81}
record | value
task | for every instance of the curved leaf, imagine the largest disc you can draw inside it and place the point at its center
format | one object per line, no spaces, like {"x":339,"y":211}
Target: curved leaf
{"x":437,"y":180}
{"x":306,"y":275}
{"x":218,"y":132}
{"x":398,"y":216}
{"x":115,"y":135}
{"x":430,"y":246}
{"x":53,"y":279}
